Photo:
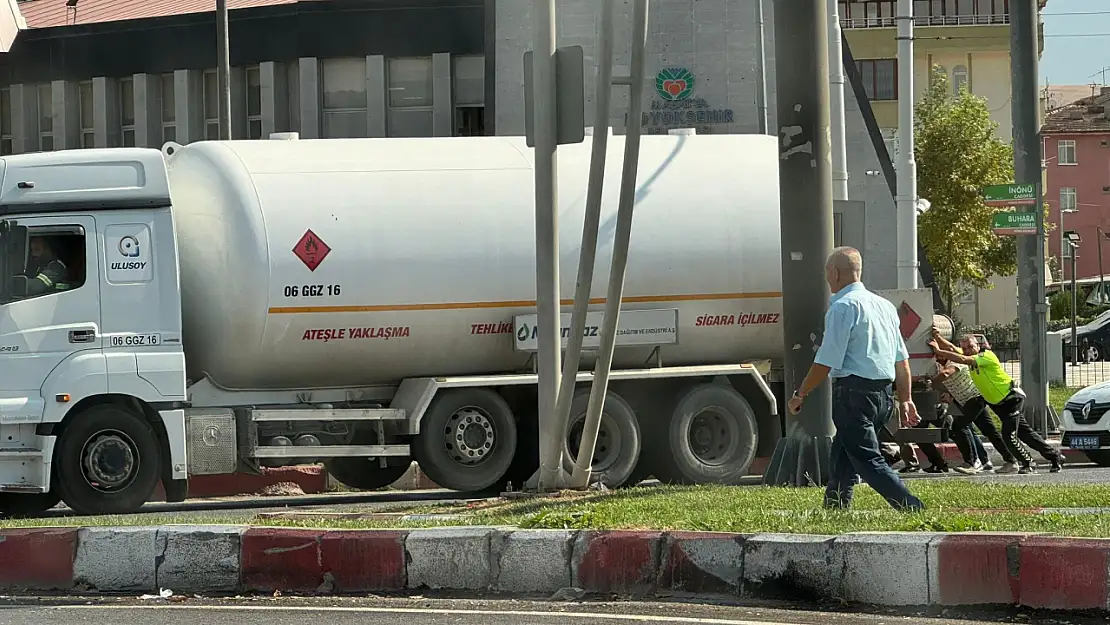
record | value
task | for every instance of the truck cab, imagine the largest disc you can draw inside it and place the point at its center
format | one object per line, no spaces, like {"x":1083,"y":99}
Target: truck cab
{"x":92,"y":368}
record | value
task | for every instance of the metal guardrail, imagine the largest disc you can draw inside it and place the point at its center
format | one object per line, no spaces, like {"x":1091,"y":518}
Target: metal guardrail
{"x":926,"y":20}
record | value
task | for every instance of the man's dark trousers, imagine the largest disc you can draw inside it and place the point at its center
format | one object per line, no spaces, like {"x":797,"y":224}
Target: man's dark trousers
{"x":860,"y":407}
{"x":974,"y":412}
{"x":1015,"y":428}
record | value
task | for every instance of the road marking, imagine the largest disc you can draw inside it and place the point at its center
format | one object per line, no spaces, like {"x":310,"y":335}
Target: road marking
{"x":635,"y":299}
{"x":638,"y":618}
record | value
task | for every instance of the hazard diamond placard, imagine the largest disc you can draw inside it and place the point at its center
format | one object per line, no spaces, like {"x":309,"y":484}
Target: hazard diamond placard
{"x":910,"y":320}
{"x":311,"y":249}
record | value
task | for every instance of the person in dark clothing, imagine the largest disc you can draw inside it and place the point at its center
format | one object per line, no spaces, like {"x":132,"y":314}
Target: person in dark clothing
{"x":47,"y":273}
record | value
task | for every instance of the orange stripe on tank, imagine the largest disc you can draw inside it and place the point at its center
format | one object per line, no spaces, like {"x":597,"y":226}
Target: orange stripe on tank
{"x":638,"y":299}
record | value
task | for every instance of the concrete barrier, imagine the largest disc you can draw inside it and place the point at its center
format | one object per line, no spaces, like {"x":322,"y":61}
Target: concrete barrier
{"x":889,"y":569}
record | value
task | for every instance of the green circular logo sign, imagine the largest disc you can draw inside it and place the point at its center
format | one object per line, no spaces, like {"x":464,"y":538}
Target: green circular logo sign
{"x":674,"y":83}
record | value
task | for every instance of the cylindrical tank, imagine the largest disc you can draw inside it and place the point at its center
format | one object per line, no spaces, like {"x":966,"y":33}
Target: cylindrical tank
{"x":353,"y":262}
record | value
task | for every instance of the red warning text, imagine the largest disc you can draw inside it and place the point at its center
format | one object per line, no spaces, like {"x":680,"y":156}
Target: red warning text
{"x":344,"y":334}
{"x":505,"y":327}
{"x":742,"y":319}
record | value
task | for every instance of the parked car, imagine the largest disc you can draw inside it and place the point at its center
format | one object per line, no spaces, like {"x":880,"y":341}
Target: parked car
{"x":1086,"y":423}
{"x":1093,"y":338}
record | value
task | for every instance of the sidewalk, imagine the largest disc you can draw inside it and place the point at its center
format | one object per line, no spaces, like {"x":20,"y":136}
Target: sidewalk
{"x":886,"y":569}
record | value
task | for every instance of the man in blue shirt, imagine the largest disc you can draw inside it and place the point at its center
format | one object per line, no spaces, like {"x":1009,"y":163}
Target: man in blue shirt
{"x":863,"y":352}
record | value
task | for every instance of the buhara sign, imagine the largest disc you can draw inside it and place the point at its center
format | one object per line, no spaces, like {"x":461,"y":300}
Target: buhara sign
{"x":676,"y":107}
{"x":1010,"y":224}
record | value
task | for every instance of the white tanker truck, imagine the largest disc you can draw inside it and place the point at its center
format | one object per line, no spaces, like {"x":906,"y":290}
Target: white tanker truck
{"x":362,"y":303}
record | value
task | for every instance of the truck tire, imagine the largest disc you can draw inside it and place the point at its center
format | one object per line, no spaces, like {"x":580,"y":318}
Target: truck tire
{"x":17,"y":505}
{"x":107,"y":461}
{"x":713,"y":437}
{"x":1101,"y":457}
{"x":618,"y":439}
{"x":467,"y":439}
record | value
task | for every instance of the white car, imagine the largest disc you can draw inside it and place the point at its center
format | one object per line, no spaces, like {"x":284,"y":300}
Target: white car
{"x":1086,"y":420}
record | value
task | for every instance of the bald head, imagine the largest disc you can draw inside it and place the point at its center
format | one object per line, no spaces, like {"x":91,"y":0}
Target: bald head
{"x":846,"y":259}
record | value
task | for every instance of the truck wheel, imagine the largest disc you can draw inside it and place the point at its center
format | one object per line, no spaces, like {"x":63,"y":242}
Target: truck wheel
{"x":467,"y":439}
{"x":108,"y":461}
{"x":16,"y":505}
{"x":618,"y":439}
{"x":1101,"y":457}
{"x":713,"y":438}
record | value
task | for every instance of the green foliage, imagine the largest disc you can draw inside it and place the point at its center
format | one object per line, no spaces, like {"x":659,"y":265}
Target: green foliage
{"x":958,"y":153}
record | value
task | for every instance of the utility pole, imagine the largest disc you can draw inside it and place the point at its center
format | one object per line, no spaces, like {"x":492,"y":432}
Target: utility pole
{"x":551,"y":475}
{"x":906,"y":199}
{"x":1032,"y":307}
{"x":223,"y":69}
{"x":806,"y":215}
{"x":836,"y":101}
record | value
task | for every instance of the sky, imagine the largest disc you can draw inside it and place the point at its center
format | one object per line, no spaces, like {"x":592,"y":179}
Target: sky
{"x":1077,"y":42}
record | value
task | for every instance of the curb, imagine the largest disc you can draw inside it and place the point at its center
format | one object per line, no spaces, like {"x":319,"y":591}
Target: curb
{"x":887,"y":569}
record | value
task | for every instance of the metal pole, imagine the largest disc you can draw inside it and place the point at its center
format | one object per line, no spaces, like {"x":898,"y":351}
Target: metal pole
{"x":1032,"y":306}
{"x":223,"y":69}
{"x":586,"y":258}
{"x":907,"y":167}
{"x":1101,"y":293}
{"x":547,"y":245}
{"x":836,"y":97}
{"x":806,"y":215}
{"x":581,"y":476}
{"x":1074,"y":306}
{"x":761,"y":92}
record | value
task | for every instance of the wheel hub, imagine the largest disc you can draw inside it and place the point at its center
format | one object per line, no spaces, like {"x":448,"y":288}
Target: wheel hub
{"x":469,"y":436}
{"x":109,"y":460}
{"x":712,"y":436}
{"x":605,"y":448}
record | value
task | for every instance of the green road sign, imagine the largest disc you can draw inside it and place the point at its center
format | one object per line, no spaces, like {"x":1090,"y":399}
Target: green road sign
{"x":1010,"y":224}
{"x":1010,"y":195}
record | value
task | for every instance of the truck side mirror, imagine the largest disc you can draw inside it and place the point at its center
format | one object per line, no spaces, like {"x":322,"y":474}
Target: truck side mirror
{"x":13,"y":258}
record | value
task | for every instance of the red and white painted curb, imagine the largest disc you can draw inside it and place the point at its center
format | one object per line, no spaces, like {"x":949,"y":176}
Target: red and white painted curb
{"x":891,"y":569}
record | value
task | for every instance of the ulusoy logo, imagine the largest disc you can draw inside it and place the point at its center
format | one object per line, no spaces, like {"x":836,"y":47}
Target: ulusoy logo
{"x":129,"y":248}
{"x":674,"y":83}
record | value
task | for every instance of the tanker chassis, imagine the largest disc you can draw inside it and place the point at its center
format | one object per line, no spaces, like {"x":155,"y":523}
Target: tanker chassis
{"x":364,"y":303}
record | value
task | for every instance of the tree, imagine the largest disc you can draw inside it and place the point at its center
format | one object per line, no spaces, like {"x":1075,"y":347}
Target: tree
{"x":958,"y":153}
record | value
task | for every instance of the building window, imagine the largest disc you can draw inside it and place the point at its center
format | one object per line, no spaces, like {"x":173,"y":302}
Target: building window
{"x":1065,"y":152}
{"x":344,"y":86}
{"x":1068,"y":199}
{"x":410,"y":97}
{"x":6,"y":146}
{"x":254,"y":102}
{"x":46,"y":117}
{"x":211,"y":95}
{"x":959,"y":79}
{"x":469,"y":77}
{"x":882,"y":13}
{"x":169,"y":109}
{"x":880,"y":78}
{"x":88,"y":124}
{"x":127,"y":111}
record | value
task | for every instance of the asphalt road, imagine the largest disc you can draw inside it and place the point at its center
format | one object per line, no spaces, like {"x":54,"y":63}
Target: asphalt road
{"x":421,"y":611}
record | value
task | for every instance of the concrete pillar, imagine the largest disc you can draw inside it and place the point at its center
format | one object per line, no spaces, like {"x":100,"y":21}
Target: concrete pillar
{"x":188,"y":105}
{"x":25,"y":124}
{"x":106,"y":112}
{"x":148,"y":110}
{"x":238,"y":80}
{"x":443,"y":117}
{"x":67,"y":115}
{"x":377,"y":96}
{"x":275,"y":97}
{"x":309,"y":91}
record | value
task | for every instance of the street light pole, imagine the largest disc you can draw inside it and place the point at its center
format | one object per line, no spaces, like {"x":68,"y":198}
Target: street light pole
{"x":223,"y":69}
{"x":1074,"y":305}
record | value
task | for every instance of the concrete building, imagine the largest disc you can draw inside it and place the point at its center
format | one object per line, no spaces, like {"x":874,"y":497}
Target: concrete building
{"x":126,"y":72}
{"x":1077,"y":164}
{"x":970,"y":41}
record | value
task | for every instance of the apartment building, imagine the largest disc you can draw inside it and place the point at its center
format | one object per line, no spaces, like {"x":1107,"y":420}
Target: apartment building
{"x":1077,"y":164}
{"x":970,"y":41}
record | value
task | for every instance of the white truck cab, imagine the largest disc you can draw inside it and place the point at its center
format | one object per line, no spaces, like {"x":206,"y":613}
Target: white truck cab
{"x":91,"y":362}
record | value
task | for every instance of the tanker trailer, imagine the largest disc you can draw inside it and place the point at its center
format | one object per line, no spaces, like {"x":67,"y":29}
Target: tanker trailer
{"x":366,"y":302}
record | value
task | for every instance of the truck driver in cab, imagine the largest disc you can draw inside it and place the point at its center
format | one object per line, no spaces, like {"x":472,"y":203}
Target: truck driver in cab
{"x":45,"y":272}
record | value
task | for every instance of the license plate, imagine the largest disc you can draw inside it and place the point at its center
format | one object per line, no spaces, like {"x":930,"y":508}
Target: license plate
{"x":1083,"y":442}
